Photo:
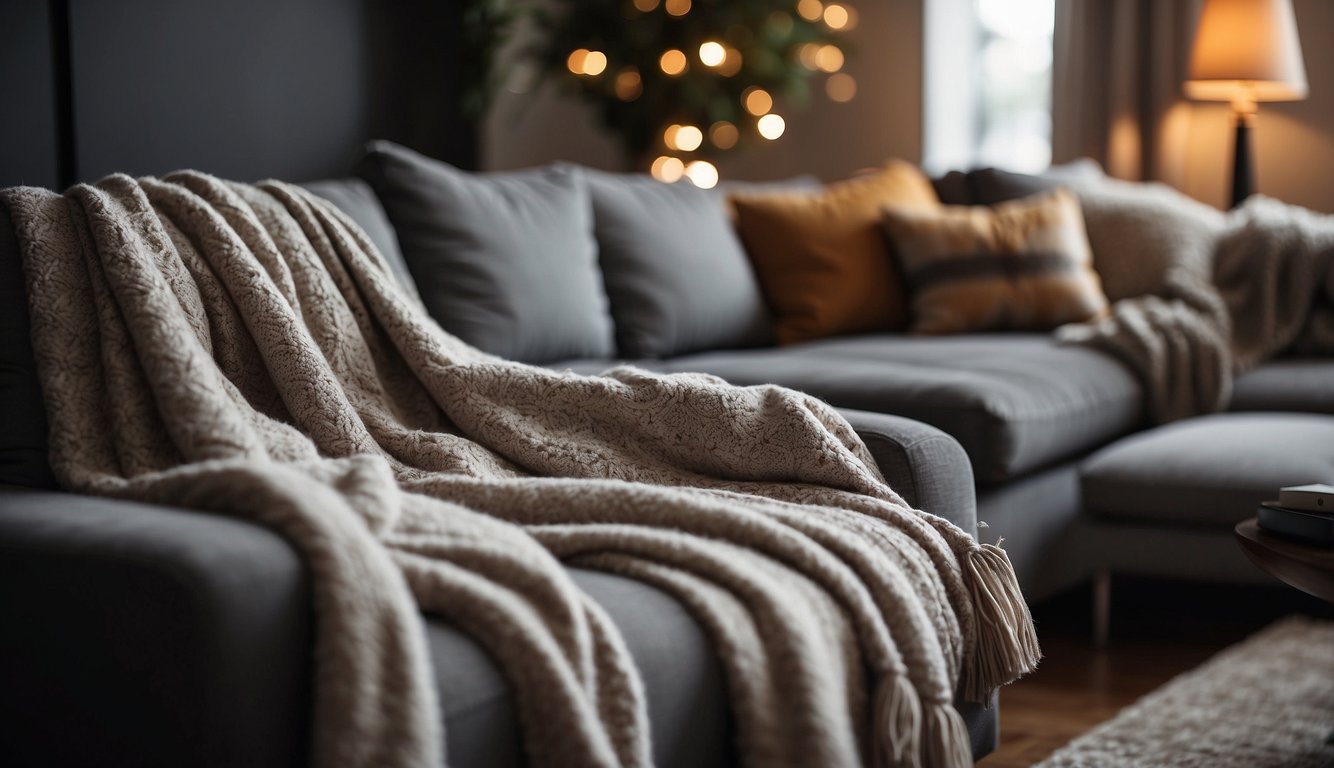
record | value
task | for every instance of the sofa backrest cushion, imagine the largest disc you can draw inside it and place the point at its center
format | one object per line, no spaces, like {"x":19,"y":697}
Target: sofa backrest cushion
{"x":675,"y":272}
{"x":990,"y":186}
{"x":23,"y":453}
{"x":355,"y":198}
{"x":505,"y":261}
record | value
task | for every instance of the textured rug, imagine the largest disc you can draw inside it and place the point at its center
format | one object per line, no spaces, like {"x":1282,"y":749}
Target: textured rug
{"x":1263,"y":703}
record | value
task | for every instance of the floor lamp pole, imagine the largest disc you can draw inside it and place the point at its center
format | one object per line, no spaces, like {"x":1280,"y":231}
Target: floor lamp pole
{"x":1243,"y":159}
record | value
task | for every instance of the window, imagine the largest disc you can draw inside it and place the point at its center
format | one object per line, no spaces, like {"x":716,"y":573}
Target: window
{"x":988,"y":84}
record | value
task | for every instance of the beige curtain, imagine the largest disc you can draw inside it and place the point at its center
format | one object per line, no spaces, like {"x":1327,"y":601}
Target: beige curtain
{"x":1116,"y":91}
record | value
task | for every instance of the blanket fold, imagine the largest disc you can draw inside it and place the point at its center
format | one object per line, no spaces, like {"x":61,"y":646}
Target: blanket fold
{"x":1228,"y":297}
{"x":244,"y":350}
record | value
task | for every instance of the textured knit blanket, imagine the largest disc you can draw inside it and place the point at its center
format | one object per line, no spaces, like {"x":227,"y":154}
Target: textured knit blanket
{"x":1203,"y":297}
{"x":244,"y":349}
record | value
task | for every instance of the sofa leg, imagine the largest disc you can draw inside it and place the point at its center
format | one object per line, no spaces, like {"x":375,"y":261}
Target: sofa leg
{"x":1102,"y":607}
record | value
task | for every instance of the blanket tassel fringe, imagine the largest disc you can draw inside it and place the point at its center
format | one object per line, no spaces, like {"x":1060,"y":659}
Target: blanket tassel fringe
{"x":1007,"y":643}
{"x":945,"y":738}
{"x":898,"y":723}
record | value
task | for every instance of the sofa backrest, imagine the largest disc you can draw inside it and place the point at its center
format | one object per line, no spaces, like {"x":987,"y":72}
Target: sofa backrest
{"x":23,"y":455}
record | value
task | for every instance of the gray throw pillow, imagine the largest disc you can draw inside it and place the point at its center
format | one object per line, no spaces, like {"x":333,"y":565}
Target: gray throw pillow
{"x":505,"y":261}
{"x":675,"y":271}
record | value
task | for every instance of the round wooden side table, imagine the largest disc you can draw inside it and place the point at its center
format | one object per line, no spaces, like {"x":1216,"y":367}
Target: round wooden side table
{"x":1304,"y":566}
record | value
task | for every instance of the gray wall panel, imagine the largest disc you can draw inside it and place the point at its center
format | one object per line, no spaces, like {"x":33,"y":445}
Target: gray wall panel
{"x":245,"y":89}
{"x":27,"y":96}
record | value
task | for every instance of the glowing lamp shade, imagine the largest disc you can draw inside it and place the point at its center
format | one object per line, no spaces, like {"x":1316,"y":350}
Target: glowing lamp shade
{"x":1247,"y":50}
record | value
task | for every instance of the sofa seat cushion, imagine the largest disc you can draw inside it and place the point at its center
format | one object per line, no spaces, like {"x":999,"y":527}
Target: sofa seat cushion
{"x":1208,"y":471}
{"x":1015,"y":402}
{"x":1304,"y":384}
{"x":683,"y":680}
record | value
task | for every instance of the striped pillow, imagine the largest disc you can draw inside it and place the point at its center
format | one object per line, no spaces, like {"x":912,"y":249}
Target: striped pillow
{"x":1024,"y":265}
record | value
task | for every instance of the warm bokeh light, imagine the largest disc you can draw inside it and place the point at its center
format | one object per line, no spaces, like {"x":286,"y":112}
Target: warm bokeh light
{"x":712,"y":53}
{"x":575,"y":62}
{"x":835,"y":16}
{"x":677,"y":7}
{"x":841,"y":87}
{"x":689,"y":138}
{"x":723,"y":134}
{"x":771,"y":126}
{"x":629,"y":85}
{"x":829,"y":58}
{"x":645,"y":6}
{"x":686,"y":138}
{"x":731,"y":62}
{"x":702,"y":174}
{"x":673,"y":62}
{"x":586,"y":62}
{"x":757,"y":101}
{"x":668,"y":169}
{"x":595,"y":63}
{"x":808,"y":55}
{"x":810,"y":10}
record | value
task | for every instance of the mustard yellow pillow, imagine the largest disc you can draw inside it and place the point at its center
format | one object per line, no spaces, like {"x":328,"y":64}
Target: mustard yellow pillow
{"x":821,"y":257}
{"x":1024,"y":265}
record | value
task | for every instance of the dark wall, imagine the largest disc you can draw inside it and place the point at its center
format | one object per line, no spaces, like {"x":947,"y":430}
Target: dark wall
{"x":27,"y":93}
{"x":245,"y":89}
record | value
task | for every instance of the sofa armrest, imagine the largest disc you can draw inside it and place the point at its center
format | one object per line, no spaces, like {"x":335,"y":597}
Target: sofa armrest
{"x":927,"y":467}
{"x":140,"y":635}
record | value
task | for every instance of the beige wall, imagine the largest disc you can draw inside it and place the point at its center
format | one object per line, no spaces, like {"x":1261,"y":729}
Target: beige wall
{"x":1294,"y":142}
{"x":827,"y":139}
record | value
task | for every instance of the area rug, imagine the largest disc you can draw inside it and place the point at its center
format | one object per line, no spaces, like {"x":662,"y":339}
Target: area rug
{"x":1263,"y":703}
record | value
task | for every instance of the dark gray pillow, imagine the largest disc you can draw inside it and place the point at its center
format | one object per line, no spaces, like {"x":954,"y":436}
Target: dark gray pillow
{"x":953,"y":188}
{"x":677,"y":276}
{"x":990,"y":186}
{"x":356,"y":199}
{"x":505,"y":261}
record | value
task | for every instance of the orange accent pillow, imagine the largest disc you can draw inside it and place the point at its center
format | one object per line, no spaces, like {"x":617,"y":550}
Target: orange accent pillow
{"x":822,"y":259}
{"x":1024,"y":265}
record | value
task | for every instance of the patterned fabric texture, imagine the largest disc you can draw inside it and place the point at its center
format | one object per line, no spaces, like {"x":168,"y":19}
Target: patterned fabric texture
{"x":1021,"y":266}
{"x":821,"y":257}
{"x":243,"y":349}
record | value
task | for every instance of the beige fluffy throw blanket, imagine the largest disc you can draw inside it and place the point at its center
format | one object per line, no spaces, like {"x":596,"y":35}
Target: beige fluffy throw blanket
{"x":243,"y":349}
{"x":1199,"y":296}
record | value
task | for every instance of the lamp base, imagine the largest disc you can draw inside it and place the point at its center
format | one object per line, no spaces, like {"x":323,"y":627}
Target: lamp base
{"x":1243,"y":161}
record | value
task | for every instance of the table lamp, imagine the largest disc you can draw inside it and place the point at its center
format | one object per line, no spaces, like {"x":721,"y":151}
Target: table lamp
{"x":1246,"y":51}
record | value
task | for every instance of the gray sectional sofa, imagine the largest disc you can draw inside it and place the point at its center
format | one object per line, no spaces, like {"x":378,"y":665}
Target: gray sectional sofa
{"x":173,"y":637}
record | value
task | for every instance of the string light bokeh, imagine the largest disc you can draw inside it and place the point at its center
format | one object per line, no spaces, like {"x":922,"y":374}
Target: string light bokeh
{"x":683,"y":83}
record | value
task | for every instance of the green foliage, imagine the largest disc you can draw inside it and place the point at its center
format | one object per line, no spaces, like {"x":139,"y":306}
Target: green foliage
{"x":485,"y":27}
{"x":767,"y":35}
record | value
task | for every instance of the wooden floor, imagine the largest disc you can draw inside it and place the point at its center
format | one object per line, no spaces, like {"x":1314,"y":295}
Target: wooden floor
{"x":1158,"y":631}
